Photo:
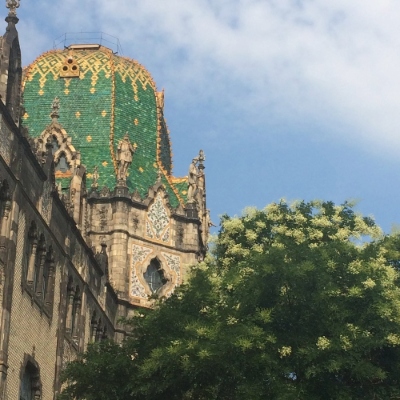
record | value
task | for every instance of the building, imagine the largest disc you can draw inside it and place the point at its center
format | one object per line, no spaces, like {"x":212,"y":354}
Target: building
{"x":92,"y":222}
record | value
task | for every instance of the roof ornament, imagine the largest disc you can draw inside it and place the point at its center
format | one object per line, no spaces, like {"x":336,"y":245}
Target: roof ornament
{"x":12,"y":5}
{"x":201,"y":157}
{"x":55,"y":107}
{"x":159,"y":175}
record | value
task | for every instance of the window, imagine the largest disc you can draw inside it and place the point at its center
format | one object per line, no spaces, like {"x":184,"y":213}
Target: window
{"x":26,"y":386}
{"x":30,"y":387}
{"x":55,"y":145}
{"x":154,"y":276}
{"x":40,"y":258}
{"x":62,"y":164}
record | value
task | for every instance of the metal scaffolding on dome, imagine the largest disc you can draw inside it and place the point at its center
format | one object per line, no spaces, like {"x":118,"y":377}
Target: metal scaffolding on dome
{"x":100,"y":38}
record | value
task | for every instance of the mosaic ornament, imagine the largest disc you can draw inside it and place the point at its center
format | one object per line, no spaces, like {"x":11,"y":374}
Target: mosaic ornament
{"x":149,"y":233}
{"x":158,"y":219}
{"x":173,"y":263}
{"x":140,"y":253}
{"x":166,"y":236}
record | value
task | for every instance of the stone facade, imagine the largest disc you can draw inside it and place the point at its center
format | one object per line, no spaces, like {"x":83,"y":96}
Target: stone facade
{"x":75,"y":257}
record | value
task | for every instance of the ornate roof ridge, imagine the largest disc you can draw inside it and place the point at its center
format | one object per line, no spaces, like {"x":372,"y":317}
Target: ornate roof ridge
{"x":160,"y":119}
{"x":169,"y":180}
{"x":102,"y":48}
{"x":182,"y":179}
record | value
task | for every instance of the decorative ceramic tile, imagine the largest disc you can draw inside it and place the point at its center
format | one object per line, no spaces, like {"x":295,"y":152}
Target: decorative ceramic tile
{"x":149,"y":233}
{"x":117,"y":96}
{"x":174,"y":264}
{"x":140,"y":253}
{"x":166,"y":236}
{"x":158,"y":219}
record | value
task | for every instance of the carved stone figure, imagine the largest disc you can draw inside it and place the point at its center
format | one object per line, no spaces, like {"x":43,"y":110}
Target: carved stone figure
{"x":55,"y":108}
{"x":95,"y":177}
{"x":125,"y":152}
{"x":193,"y":176}
{"x":160,"y":99}
{"x":209,"y":223}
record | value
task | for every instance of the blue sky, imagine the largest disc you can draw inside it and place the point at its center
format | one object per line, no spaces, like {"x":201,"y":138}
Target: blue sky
{"x":288,"y":98}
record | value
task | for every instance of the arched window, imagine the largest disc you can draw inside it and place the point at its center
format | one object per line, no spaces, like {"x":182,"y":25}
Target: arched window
{"x":154,"y":276}
{"x":62,"y":164}
{"x":55,"y":145}
{"x":76,"y":312}
{"x":30,"y":387}
{"x":40,"y":258}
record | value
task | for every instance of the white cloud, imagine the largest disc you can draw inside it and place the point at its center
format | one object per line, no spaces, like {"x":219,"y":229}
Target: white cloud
{"x":279,"y":62}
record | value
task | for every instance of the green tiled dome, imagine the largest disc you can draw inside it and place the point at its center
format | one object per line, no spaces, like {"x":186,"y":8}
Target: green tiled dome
{"x":102,"y":96}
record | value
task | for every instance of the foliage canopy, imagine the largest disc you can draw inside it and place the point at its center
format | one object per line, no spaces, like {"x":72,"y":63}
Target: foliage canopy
{"x":294,"y":302}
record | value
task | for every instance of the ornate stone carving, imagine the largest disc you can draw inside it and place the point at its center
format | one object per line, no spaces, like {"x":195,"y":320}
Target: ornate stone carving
{"x":196,"y":179}
{"x":105,"y":192}
{"x":160,"y":100}
{"x":55,"y":141}
{"x":95,"y":177}
{"x":192,"y":180}
{"x":102,"y":212}
{"x":46,"y":202}
{"x":136,"y":196}
{"x":12,"y":5}
{"x":135,"y":221}
{"x":179,"y":234}
{"x":55,"y":106}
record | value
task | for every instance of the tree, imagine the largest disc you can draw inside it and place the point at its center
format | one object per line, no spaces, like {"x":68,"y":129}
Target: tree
{"x":294,"y":302}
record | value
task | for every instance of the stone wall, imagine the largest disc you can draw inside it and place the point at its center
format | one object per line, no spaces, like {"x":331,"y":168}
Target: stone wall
{"x":44,"y":325}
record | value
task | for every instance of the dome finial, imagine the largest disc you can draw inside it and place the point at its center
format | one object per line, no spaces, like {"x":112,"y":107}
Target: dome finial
{"x":12,"y":5}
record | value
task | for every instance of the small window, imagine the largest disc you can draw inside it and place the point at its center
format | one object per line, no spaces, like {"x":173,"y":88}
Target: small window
{"x":62,"y":164}
{"x":70,"y":68}
{"x":39,"y":260}
{"x":154,"y":276}
{"x":55,"y":145}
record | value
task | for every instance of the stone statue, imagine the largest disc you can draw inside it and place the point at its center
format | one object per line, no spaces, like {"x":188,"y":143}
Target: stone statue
{"x":125,"y":152}
{"x":95,"y":177}
{"x":209,"y":223}
{"x":56,"y":104}
{"x":160,"y":99}
{"x":193,"y":176}
{"x":55,"y":108}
